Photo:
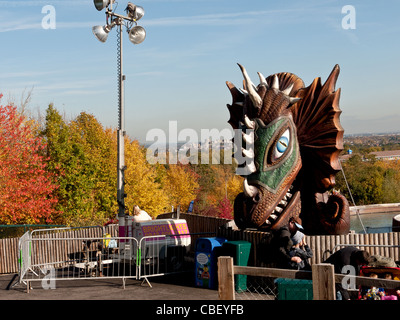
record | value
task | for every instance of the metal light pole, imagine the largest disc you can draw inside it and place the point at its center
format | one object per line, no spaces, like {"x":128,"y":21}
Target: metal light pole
{"x":121,"y":133}
{"x":136,"y":35}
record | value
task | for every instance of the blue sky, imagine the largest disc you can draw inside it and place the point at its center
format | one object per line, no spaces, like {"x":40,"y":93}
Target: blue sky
{"x":192,"y":47}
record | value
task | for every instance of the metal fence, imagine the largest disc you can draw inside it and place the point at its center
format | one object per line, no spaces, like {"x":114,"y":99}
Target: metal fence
{"x":279,"y":285}
{"x":258,"y":288}
{"x":49,"y":256}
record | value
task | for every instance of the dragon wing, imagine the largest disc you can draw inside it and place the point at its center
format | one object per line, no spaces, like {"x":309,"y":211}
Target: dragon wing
{"x":319,"y":132}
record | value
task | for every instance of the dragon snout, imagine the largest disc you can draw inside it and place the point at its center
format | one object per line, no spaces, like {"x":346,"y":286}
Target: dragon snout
{"x":256,"y":207}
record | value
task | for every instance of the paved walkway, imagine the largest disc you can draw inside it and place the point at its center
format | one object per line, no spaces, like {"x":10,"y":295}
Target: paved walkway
{"x":163,"y":288}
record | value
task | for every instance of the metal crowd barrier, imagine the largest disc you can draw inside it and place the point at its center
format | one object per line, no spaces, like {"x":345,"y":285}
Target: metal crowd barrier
{"x":49,"y":258}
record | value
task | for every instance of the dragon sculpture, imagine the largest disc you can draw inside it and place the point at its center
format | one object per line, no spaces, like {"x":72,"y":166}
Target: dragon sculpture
{"x":292,"y":137}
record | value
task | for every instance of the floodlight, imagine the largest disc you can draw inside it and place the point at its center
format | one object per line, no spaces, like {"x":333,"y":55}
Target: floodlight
{"x":101,"y":33}
{"x":137,"y":34}
{"x":135,"y":12}
{"x":101,"y":4}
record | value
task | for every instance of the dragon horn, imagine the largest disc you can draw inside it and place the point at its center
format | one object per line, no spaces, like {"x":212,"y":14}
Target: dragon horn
{"x":248,"y":153}
{"x":249,"y":138}
{"x":249,"y":123}
{"x":288,"y":89}
{"x":263,"y":82}
{"x":249,"y":190}
{"x":275,"y":83}
{"x":254,"y":97}
{"x":294,"y":100}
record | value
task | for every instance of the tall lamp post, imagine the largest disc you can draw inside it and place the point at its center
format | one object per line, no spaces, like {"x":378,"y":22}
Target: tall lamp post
{"x":136,"y":35}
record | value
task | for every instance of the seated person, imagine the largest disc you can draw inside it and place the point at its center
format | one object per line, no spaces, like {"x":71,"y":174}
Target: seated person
{"x":140,"y":215}
{"x":302,"y":250}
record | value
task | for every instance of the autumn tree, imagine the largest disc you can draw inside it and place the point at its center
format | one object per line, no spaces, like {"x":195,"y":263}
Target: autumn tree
{"x":26,"y":186}
{"x":97,"y":165}
{"x":225,"y":209}
{"x":391,"y":180}
{"x":365,"y":180}
{"x":82,"y":154}
{"x":217,"y":182}
{"x":180,"y":184}
{"x":143,"y":181}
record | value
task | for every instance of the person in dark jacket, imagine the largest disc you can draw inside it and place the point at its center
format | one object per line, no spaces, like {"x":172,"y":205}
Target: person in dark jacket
{"x":300,"y":249}
{"x":348,"y":256}
{"x":282,"y":244}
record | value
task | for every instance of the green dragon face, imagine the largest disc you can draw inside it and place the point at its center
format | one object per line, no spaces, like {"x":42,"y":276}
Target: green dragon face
{"x":277,"y":153}
{"x":268,"y":190}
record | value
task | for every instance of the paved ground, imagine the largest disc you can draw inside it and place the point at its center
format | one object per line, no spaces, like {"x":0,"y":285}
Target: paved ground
{"x":166,"y":298}
{"x":163,"y":288}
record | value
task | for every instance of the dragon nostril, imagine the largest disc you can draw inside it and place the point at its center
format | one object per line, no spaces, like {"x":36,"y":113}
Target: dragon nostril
{"x":257,"y":197}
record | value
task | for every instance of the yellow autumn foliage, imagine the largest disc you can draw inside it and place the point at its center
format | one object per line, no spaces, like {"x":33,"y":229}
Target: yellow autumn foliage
{"x":143,"y":187}
{"x":180,"y":183}
{"x":227,"y":184}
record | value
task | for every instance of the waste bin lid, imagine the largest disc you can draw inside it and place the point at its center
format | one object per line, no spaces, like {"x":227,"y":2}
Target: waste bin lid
{"x":238,"y":243}
{"x":208,"y":244}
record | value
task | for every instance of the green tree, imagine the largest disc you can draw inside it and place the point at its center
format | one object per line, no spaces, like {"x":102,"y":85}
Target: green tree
{"x":81,"y":153}
{"x":98,"y":166}
{"x":365,"y":181}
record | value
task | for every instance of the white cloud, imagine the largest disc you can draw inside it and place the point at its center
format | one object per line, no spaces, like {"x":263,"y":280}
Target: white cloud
{"x":219,"y":19}
{"x":19,"y":25}
{"x":26,"y":74}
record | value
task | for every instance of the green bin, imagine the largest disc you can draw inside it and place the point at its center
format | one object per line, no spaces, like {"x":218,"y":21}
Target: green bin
{"x":240,"y":251}
{"x":294,"y":289}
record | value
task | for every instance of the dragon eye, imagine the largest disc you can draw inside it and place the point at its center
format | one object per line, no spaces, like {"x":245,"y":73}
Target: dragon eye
{"x":281,"y":146}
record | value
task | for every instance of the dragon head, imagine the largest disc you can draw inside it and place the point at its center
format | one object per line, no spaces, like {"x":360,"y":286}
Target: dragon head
{"x":291,"y":139}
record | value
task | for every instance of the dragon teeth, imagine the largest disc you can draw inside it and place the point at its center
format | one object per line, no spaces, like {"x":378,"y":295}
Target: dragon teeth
{"x":279,"y":209}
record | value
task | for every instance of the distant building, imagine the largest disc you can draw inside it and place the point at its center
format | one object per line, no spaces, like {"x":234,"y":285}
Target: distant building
{"x":380,"y":155}
{"x":387,"y":155}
